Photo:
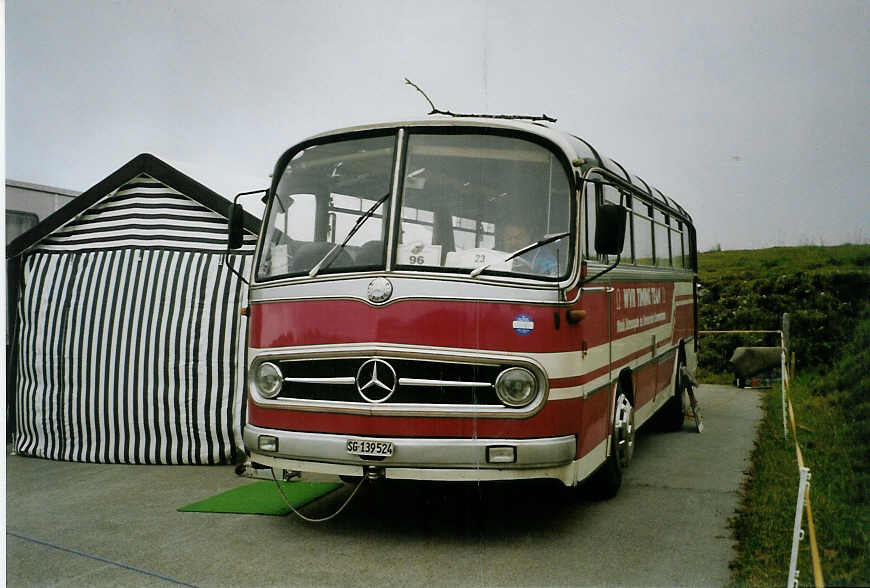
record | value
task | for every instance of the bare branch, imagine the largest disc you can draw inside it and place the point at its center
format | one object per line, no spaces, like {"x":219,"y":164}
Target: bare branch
{"x":543,"y":117}
{"x":410,"y":83}
{"x":434,"y":110}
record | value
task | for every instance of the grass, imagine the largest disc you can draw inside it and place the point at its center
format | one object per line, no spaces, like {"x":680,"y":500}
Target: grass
{"x":711,"y":377}
{"x":763,"y":263}
{"x":833,"y":415}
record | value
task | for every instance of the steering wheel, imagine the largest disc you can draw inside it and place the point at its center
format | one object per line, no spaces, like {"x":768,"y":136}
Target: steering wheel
{"x":521,"y":266}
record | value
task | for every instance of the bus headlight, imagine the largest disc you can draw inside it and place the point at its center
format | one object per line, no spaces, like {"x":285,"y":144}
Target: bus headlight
{"x":268,"y":379}
{"x":516,"y":386}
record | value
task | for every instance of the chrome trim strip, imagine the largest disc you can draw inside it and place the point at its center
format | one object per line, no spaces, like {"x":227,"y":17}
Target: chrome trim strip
{"x":658,"y":358}
{"x":454,"y":287}
{"x":409,"y":410}
{"x":414,"y":451}
{"x":453,"y":298}
{"x":337,"y":380}
{"x":641,"y":273}
{"x":407,"y":287}
{"x":555,"y":364}
{"x":568,"y":474}
{"x":442,"y":383}
{"x":564,"y":473}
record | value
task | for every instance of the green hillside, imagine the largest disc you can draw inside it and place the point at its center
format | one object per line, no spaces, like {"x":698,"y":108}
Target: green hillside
{"x":826,"y":291}
{"x":822,"y":289}
{"x":761,"y":263}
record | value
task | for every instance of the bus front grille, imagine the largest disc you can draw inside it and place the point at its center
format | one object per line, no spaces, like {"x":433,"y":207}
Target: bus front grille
{"x":398,"y":381}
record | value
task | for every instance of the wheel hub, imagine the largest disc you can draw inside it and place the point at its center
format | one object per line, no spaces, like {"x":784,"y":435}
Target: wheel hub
{"x":623,"y":431}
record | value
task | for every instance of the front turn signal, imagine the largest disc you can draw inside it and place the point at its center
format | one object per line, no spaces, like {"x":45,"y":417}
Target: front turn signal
{"x":575,"y":316}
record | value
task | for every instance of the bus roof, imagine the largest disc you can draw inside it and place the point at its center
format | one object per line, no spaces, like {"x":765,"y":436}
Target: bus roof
{"x":579,"y":151}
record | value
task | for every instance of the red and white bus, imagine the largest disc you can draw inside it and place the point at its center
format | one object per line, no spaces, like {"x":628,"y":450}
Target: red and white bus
{"x":464,"y":299}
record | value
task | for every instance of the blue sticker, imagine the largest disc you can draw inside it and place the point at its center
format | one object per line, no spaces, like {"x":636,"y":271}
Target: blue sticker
{"x":523,"y":324}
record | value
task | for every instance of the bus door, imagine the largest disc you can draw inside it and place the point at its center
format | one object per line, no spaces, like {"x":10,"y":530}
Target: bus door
{"x":600,"y":346}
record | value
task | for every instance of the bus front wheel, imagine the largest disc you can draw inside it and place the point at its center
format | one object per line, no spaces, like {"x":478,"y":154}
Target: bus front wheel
{"x":605,"y":482}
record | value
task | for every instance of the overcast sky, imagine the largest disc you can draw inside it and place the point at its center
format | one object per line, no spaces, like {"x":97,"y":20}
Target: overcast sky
{"x":755,"y":116}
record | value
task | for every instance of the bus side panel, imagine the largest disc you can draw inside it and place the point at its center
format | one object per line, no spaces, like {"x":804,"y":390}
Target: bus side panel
{"x":684,"y":315}
{"x":639,"y":311}
{"x":596,"y":421}
{"x":644,"y":384}
{"x":664,"y":373}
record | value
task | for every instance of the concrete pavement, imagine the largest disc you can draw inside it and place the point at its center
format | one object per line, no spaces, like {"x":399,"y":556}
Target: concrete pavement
{"x":77,"y":524}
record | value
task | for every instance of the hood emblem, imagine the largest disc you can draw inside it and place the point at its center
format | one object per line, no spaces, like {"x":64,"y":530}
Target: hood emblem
{"x":376,"y":381}
{"x":380,"y":289}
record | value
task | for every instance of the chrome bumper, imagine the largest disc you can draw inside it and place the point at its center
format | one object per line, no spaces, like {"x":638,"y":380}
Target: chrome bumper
{"x":330,"y":451}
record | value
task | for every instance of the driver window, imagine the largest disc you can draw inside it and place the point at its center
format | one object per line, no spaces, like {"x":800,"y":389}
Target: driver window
{"x":330,"y":193}
{"x":470,"y":200}
{"x":286,"y":232}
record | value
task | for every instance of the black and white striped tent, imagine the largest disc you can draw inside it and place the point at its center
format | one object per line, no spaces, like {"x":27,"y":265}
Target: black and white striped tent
{"x":128,"y":340}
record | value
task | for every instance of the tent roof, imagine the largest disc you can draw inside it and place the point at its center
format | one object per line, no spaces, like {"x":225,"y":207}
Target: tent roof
{"x":143,"y":163}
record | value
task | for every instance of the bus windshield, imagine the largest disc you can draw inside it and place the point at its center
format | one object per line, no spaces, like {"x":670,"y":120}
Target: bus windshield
{"x":467,"y":201}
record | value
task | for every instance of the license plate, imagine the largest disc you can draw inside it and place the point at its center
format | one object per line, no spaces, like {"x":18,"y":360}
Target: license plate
{"x":370,"y":447}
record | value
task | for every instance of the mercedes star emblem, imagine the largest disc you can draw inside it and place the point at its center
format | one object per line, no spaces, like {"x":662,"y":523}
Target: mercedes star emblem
{"x":376,"y":381}
{"x":380,"y":289}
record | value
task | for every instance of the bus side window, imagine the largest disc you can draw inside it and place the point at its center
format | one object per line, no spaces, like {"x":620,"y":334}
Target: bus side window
{"x":677,"y":244}
{"x":486,"y":234}
{"x":643,"y":245}
{"x":660,"y":231}
{"x":687,"y":251}
{"x":611,"y":194}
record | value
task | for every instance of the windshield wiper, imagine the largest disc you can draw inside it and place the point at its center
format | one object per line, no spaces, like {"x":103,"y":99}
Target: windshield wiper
{"x":359,"y":222}
{"x":476,"y":272}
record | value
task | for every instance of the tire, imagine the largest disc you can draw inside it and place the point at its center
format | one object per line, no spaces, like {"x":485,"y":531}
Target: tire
{"x":673,"y":413}
{"x":607,"y":480}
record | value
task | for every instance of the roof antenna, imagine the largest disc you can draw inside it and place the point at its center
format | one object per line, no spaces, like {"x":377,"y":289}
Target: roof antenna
{"x":434,"y":110}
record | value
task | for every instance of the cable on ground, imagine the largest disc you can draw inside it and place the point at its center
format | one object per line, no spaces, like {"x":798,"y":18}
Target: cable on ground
{"x":310,"y":520}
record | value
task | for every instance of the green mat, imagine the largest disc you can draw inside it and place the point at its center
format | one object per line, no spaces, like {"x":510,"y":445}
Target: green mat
{"x":262,"y":498}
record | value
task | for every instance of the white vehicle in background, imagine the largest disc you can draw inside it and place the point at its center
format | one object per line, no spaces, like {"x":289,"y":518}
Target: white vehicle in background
{"x":27,"y":204}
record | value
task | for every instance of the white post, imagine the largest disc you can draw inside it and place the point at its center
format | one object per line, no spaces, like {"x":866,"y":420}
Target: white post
{"x":798,"y":532}
{"x":783,"y":376}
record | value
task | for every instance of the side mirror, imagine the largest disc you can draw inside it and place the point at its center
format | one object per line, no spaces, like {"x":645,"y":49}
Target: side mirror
{"x":610,"y":229}
{"x":235,"y":234}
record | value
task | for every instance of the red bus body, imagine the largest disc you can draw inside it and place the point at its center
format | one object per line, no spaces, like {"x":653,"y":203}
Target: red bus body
{"x":396,"y":371}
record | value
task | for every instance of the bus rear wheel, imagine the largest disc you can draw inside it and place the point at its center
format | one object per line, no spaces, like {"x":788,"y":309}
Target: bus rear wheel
{"x":673,"y":413}
{"x":605,"y":482}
